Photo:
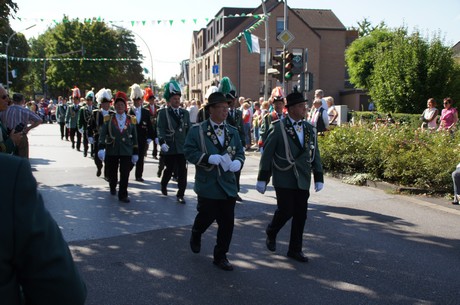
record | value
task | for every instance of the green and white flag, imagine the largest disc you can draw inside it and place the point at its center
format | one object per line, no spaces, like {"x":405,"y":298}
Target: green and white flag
{"x":252,"y":41}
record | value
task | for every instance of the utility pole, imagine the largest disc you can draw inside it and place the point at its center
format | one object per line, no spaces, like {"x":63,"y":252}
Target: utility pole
{"x":266,"y":51}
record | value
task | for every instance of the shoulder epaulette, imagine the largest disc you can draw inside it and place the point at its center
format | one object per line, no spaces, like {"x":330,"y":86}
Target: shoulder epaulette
{"x":133,"y":119}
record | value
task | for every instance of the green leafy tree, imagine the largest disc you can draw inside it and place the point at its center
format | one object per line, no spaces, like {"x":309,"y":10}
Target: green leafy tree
{"x":401,"y":71}
{"x":17,"y":47}
{"x":89,"y":42}
{"x":409,"y":72}
{"x":360,"y":57}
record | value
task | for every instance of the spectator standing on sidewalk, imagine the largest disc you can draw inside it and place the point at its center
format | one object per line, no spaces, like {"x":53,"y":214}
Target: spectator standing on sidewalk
{"x":18,"y":117}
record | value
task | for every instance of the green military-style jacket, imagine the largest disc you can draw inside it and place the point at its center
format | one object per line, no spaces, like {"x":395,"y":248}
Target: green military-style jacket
{"x":71,"y":116}
{"x":236,"y":120}
{"x":36,"y":265}
{"x":118,"y":142}
{"x":84,"y":117}
{"x":289,"y":163}
{"x":61,"y":111}
{"x":265,"y":126}
{"x":212,"y":181}
{"x":172,"y":130}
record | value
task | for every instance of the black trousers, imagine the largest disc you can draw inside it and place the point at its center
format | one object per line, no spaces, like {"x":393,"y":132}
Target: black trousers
{"x":73,"y":132}
{"x":223,"y":212}
{"x":64,"y":131}
{"x":140,"y":163}
{"x":112,"y":163}
{"x":291,"y":203}
{"x":98,"y":161}
{"x":178,"y":165}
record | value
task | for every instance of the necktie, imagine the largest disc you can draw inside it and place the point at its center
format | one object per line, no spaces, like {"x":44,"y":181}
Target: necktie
{"x":176,"y":111}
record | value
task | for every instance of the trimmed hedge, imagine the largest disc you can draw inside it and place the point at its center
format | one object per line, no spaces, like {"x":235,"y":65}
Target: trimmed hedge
{"x":396,"y":153}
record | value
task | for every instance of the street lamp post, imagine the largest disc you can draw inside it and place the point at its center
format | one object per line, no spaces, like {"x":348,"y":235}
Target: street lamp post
{"x":6,"y":53}
{"x":148,"y":49}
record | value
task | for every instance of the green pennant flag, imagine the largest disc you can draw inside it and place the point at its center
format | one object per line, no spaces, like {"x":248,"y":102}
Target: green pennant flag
{"x":171,"y":22}
{"x":194,"y":20}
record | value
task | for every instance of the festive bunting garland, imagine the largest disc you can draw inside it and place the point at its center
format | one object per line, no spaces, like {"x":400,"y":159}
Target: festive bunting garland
{"x":66,"y":59}
{"x":198,"y":59}
{"x":235,"y":40}
{"x":169,"y":22}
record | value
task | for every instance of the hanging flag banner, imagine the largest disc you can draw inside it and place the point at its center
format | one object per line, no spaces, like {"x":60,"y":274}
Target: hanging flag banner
{"x":252,"y":41}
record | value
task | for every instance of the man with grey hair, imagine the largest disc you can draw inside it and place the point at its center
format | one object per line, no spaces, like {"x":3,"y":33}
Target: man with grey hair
{"x":319,"y":94}
{"x":21,"y":119}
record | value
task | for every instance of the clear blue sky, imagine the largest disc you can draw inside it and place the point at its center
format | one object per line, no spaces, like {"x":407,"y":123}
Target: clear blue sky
{"x":171,"y":44}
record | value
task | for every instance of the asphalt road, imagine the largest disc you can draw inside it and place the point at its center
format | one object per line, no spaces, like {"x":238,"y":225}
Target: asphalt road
{"x":366,"y":246}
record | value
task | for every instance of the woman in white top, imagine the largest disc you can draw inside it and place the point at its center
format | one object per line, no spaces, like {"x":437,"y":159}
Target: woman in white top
{"x":430,"y":115}
{"x":331,"y":111}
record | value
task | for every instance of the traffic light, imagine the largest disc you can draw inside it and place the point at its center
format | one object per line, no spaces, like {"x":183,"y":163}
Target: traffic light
{"x":276,"y":70}
{"x":288,"y":65}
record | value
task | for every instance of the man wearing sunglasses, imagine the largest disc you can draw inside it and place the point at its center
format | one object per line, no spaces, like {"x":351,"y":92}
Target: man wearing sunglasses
{"x":8,"y":142}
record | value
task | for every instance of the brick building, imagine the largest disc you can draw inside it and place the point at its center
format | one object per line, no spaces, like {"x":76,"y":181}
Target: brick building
{"x":320,"y":42}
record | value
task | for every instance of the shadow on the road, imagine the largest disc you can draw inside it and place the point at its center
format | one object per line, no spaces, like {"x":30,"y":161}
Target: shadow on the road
{"x":356,"y":257}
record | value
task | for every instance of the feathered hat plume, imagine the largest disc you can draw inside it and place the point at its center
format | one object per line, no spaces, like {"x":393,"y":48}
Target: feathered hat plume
{"x":75,"y":92}
{"x":148,"y":93}
{"x":227,"y":88}
{"x":278,"y":94}
{"x":103,"y":95}
{"x":136,"y":92}
{"x":171,"y":88}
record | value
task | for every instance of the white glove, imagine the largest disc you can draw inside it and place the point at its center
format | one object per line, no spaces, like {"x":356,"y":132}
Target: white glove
{"x":157,"y":142}
{"x":149,"y":141}
{"x":91,"y":140}
{"x":81,"y":130}
{"x":235,"y":166}
{"x":261,"y":186}
{"x":261,"y":150}
{"x":164,"y":147}
{"x":215,"y":159}
{"x":101,"y":154}
{"x":134,"y":158}
{"x":318,"y":186}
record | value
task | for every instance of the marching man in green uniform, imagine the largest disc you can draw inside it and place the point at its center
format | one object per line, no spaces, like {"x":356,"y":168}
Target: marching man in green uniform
{"x":71,"y":118}
{"x":100,"y":116}
{"x":118,"y":147}
{"x":290,"y":156}
{"x":84,"y":119}
{"x":216,"y":150}
{"x":172,"y":126}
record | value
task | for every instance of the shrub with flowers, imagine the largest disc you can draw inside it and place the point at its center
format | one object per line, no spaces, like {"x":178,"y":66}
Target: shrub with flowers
{"x":394,"y":153}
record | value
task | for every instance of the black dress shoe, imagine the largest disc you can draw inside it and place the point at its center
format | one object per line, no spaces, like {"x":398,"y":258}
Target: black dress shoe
{"x":271,"y":243}
{"x":298,"y":256}
{"x":85,"y":154}
{"x":98,"y":173}
{"x":113,"y":191}
{"x":125,"y":200}
{"x":181,"y":199}
{"x":195,"y":243}
{"x":238,"y":198}
{"x":223,"y":264}
{"x":159,"y":174}
{"x":455,"y":202}
{"x":164,"y":190}
{"x":140,"y":179}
